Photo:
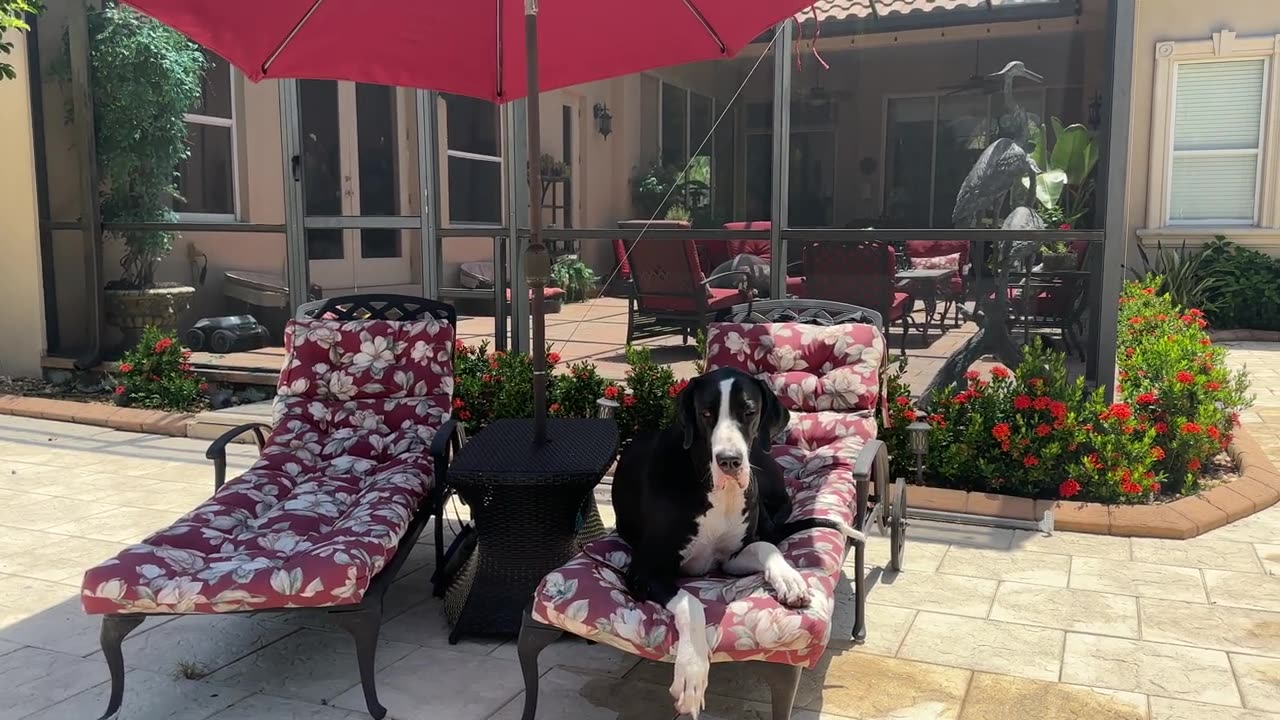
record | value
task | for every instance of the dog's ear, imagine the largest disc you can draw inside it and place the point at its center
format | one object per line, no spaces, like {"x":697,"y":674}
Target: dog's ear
{"x":773,"y":417}
{"x":686,"y":413}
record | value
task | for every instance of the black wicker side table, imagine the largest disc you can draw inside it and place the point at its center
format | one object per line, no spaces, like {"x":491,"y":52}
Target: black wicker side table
{"x":531,"y":506}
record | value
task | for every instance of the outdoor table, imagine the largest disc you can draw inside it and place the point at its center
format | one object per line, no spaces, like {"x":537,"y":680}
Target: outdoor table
{"x":533,"y":507}
{"x":924,"y":285}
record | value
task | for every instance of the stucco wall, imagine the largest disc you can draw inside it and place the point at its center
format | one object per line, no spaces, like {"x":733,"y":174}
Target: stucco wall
{"x":1190,"y":20}
{"x":21,"y":293}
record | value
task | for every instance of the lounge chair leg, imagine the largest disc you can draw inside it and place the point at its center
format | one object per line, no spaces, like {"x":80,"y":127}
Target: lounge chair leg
{"x":860,"y":593}
{"x":115,"y":628}
{"x":783,"y":681}
{"x":534,"y":638}
{"x":364,"y":625}
{"x":438,"y":579}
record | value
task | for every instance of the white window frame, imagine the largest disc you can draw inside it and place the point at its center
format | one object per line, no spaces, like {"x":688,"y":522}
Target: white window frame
{"x":1222,"y":46}
{"x":1258,"y":152}
{"x":214,"y":121}
{"x":464,"y":155}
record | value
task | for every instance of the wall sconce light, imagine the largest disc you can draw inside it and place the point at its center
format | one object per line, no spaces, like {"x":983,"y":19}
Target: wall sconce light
{"x":1095,"y":111}
{"x":604,"y":119}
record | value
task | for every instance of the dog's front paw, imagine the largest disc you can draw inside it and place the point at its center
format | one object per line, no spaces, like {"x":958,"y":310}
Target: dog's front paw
{"x":788,"y":584}
{"x":690,"y":685}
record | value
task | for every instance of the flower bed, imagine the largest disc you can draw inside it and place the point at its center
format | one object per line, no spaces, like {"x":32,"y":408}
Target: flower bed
{"x":1032,"y":433}
{"x":494,"y":385}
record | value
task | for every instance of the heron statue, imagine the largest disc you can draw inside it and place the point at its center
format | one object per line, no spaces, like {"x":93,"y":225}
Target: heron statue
{"x":999,"y":173}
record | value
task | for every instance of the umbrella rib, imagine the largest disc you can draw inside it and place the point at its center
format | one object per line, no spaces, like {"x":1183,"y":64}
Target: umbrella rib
{"x":715,"y":36}
{"x":289,"y":38}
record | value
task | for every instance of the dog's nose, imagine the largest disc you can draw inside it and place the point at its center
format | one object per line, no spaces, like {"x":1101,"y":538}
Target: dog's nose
{"x":729,"y":462}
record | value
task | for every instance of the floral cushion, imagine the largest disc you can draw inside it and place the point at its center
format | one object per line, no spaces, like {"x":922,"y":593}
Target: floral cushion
{"x":320,"y":513}
{"x":810,"y":367}
{"x":588,"y":597}
{"x":941,"y":262}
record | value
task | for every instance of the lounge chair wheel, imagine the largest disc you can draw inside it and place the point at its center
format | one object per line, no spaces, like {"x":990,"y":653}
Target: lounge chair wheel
{"x":897,"y":525}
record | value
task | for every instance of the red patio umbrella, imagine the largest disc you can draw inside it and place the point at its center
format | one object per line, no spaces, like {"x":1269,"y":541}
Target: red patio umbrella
{"x":487,"y":49}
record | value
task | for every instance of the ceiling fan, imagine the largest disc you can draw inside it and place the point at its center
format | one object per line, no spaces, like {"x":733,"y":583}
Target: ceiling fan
{"x":817,"y":94}
{"x":977,"y":82}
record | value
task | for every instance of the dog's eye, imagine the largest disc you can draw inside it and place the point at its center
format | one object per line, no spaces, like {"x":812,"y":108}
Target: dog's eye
{"x":707,"y":414}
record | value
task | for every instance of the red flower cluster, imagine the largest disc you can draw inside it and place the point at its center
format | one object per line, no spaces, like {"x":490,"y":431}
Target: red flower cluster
{"x":1001,"y":432}
{"x":678,"y":388}
{"x":1184,"y":377}
{"x":611,"y":392}
{"x":1069,"y":488}
{"x":163,"y":344}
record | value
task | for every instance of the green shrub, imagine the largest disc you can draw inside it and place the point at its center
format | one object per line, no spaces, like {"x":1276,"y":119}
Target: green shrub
{"x":1033,"y":433}
{"x":1178,"y":380}
{"x":1247,"y":286}
{"x":156,"y":374}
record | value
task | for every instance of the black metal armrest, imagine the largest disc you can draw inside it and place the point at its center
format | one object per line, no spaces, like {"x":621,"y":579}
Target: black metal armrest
{"x":744,"y":275}
{"x":797,"y":265}
{"x":866,"y":462}
{"x":444,"y":445}
{"x":217,"y":451}
{"x":875,"y":454}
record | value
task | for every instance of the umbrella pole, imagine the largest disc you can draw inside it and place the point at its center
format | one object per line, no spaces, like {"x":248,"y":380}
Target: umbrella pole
{"x":537,"y":261}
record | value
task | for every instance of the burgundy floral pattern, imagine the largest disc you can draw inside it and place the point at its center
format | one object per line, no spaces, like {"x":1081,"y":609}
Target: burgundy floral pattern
{"x":344,"y":470}
{"x":829,"y":378}
{"x":941,"y":262}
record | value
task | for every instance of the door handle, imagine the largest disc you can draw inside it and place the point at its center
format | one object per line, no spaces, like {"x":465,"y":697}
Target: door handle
{"x":295,"y":163}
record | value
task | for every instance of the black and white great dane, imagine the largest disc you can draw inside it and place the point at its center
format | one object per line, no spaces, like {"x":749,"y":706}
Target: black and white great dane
{"x":704,"y":495}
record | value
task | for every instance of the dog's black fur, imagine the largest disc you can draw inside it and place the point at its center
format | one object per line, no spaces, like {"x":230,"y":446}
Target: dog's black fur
{"x":663,"y":483}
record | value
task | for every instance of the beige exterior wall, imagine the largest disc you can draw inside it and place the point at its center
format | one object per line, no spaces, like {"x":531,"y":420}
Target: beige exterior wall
{"x":21,"y":290}
{"x":1170,"y":30}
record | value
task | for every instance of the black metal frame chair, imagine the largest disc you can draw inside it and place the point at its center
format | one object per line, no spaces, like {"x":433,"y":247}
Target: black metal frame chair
{"x":871,"y":471}
{"x":363,"y":620}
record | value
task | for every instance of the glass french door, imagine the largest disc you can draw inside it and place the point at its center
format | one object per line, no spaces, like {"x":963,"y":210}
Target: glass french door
{"x":352,"y":166}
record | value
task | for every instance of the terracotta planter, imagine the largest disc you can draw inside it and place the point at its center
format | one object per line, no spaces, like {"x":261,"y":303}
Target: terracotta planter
{"x":131,"y":311}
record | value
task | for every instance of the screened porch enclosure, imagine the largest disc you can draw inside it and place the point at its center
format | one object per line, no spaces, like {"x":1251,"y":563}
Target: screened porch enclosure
{"x":831,"y":153}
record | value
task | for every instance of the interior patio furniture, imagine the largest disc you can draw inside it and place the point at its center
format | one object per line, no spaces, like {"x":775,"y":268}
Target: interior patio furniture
{"x":350,"y":471}
{"x":861,"y":273}
{"x":1055,"y":301}
{"x":935,"y":254}
{"x":827,"y":363}
{"x":670,"y":294}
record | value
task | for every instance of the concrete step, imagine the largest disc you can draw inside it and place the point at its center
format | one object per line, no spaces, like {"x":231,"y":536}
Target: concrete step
{"x":211,"y":424}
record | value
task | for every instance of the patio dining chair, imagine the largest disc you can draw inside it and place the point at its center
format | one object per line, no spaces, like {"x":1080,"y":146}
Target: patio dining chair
{"x":670,"y":294}
{"x":936,"y":254}
{"x":862,"y":273}
{"x":1053,"y":301}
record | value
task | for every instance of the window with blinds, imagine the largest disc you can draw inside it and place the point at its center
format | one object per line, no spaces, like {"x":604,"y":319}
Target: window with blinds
{"x":1217,"y":142}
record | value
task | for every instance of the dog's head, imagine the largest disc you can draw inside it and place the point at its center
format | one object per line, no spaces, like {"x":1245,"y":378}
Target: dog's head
{"x":722,"y":413}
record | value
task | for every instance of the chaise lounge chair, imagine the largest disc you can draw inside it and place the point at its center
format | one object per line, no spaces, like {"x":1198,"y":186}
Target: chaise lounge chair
{"x":826,"y":362}
{"x":352,"y":469}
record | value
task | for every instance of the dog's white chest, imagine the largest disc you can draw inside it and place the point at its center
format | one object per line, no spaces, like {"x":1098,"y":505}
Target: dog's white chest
{"x":720,"y":533}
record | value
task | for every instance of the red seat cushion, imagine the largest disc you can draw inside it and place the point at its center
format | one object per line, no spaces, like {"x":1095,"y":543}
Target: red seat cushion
{"x":345,"y":469}
{"x":901,"y":306}
{"x":547,"y":293}
{"x":722,"y":298}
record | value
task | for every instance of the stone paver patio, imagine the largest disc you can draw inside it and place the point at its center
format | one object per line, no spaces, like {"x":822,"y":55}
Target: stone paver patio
{"x":983,"y":625}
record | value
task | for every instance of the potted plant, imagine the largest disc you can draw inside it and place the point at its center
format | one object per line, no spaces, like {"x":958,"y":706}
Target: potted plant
{"x":553,"y":170}
{"x":1064,"y":187}
{"x":145,"y":77}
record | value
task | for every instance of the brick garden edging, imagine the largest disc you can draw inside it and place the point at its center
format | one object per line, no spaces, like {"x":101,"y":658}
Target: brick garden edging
{"x":1244,"y":335}
{"x":1257,"y":488}
{"x":155,"y":422}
